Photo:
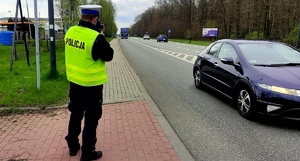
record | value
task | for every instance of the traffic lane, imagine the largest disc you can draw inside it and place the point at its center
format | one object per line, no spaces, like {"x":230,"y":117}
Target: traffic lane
{"x":210,"y":105}
{"x":182,"y":56}
{"x":190,"y":49}
{"x":209,"y":126}
{"x":180,"y":47}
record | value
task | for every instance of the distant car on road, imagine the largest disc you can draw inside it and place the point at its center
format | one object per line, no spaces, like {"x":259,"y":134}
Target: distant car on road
{"x":162,"y":37}
{"x":146,"y":37}
{"x":259,"y":76}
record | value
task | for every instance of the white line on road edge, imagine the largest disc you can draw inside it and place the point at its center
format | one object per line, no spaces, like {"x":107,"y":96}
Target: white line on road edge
{"x":171,"y":53}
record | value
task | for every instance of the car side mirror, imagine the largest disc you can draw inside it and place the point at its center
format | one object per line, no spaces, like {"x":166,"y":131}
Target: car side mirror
{"x":227,"y":60}
{"x":230,"y":61}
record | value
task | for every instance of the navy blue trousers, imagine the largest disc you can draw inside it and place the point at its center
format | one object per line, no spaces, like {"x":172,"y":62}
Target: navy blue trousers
{"x":84,"y":102}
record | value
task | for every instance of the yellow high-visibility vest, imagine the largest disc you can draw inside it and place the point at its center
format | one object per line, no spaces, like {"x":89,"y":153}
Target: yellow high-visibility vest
{"x":81,"y":68}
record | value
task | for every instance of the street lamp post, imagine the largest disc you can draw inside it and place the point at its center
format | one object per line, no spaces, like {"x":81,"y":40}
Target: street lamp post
{"x":37,"y":49}
{"x":52,"y":37}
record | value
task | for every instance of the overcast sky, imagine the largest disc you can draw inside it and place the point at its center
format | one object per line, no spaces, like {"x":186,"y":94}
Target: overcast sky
{"x":127,"y":10}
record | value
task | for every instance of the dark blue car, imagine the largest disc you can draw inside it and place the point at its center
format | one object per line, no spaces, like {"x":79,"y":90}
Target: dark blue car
{"x":260,"y":76}
{"x":163,"y":38}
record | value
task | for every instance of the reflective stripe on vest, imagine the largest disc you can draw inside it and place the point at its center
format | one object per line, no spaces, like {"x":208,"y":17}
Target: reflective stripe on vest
{"x":80,"y":66}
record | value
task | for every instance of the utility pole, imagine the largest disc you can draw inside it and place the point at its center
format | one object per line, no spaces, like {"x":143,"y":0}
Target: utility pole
{"x":52,"y":37}
{"x":37,"y":49}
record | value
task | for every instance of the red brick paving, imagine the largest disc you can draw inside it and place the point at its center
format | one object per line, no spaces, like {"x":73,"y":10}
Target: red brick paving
{"x":126,"y":132}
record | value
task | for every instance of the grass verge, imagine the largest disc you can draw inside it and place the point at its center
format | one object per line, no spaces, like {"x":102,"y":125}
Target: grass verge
{"x":18,"y":87}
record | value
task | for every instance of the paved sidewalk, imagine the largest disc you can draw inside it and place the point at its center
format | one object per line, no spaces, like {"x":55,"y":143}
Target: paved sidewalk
{"x":132,"y":128}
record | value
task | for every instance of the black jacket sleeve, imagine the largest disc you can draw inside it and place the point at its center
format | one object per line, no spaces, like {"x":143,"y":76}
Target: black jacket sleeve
{"x":102,"y":50}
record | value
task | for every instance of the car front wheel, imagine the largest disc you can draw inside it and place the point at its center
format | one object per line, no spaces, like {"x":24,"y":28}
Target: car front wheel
{"x":197,"y":78}
{"x":245,"y":103}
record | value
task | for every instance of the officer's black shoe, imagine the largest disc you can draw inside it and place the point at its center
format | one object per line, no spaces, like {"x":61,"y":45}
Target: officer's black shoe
{"x":94,"y":155}
{"x":73,"y":151}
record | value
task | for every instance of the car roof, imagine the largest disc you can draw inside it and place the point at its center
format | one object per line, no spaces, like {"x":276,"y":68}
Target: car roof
{"x":243,"y":41}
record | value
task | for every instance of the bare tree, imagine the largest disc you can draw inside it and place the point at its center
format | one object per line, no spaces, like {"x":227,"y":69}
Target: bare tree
{"x":250,"y":19}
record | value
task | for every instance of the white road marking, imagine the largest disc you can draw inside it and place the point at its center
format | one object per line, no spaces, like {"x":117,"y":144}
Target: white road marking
{"x":194,"y":59}
{"x":172,"y":53}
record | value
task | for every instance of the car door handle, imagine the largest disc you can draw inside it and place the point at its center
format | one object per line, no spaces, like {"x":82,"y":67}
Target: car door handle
{"x":216,"y":64}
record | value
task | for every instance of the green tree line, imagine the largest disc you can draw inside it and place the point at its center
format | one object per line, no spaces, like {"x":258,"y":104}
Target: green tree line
{"x":244,"y":19}
{"x":107,"y":16}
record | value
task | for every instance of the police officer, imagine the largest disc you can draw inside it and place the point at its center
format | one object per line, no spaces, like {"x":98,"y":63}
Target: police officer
{"x":86,"y":51}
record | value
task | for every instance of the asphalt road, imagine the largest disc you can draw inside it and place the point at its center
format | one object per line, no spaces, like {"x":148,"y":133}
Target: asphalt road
{"x":207,"y":123}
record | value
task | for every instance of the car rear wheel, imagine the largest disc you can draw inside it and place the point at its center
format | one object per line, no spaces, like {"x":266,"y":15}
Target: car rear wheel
{"x":197,"y":78}
{"x":245,"y":103}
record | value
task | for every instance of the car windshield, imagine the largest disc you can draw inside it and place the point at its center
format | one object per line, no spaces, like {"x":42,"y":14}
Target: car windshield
{"x":270,"y":54}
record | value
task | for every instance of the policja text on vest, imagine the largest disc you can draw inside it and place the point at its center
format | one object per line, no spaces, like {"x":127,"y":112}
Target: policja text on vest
{"x":75,"y":43}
